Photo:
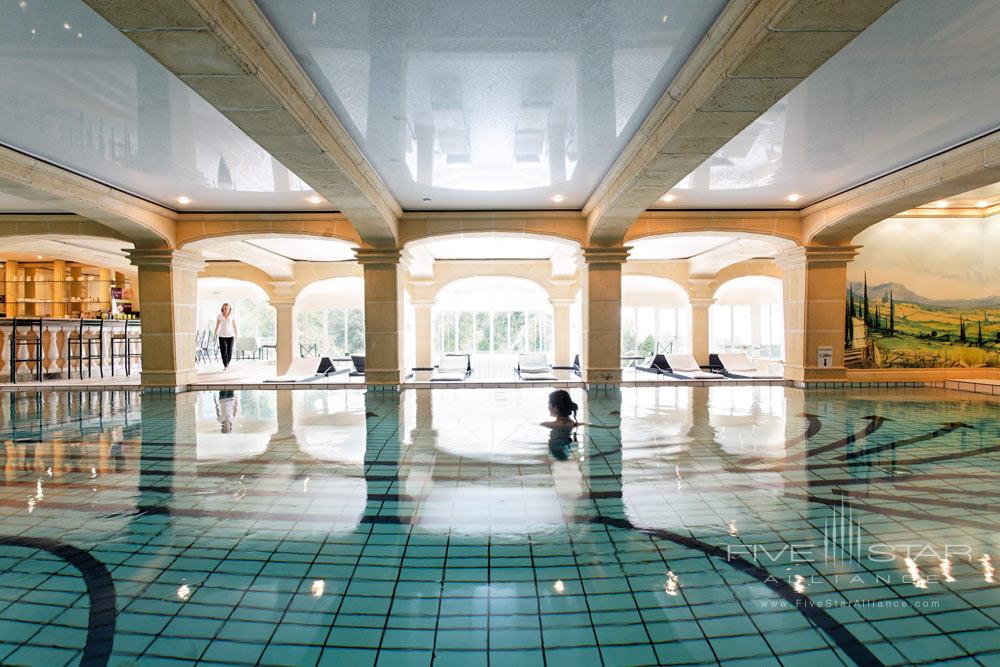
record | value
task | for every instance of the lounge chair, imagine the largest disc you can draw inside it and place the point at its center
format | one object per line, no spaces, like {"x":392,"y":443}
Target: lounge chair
{"x":685,"y":367}
{"x":453,"y":368}
{"x":359,"y":365}
{"x":657,"y":364}
{"x":309,"y":369}
{"x":534,"y":366}
{"x":575,"y":366}
{"x":737,"y":365}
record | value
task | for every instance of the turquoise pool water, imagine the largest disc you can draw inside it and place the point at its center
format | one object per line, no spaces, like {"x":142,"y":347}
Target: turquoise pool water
{"x":744,"y":525}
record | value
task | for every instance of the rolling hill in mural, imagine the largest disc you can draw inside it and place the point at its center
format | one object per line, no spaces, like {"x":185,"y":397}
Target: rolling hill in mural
{"x":908,"y":299}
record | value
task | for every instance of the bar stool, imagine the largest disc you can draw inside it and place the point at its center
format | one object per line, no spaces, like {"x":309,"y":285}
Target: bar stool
{"x":130,"y":345}
{"x":89,"y":345}
{"x":27,"y":326}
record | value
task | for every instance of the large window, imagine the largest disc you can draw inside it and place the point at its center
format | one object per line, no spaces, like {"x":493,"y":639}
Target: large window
{"x":748,"y":316}
{"x":492,"y":316}
{"x":656,"y":317}
{"x":330,"y":318}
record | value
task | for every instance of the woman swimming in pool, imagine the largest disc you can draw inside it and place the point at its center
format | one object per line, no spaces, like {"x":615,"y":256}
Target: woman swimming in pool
{"x":563,"y":411}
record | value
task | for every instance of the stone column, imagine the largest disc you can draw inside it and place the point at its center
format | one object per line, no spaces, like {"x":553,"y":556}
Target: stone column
{"x":602,"y":314}
{"x":700,"y":298}
{"x":58,"y":291}
{"x":169,"y":283}
{"x":422,"y":333}
{"x":10,"y":289}
{"x":383,"y":316}
{"x":284,"y":324}
{"x":814,"y":280}
{"x":561,"y":327}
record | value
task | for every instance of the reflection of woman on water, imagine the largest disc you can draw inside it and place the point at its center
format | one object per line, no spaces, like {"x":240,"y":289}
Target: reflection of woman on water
{"x":226,"y":409}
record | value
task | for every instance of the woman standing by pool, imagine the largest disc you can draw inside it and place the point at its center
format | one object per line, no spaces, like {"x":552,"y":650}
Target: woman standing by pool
{"x":226,"y":332}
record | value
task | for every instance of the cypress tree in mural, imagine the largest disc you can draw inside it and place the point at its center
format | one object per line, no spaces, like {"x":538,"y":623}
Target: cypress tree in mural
{"x":867,"y":322}
{"x":849,"y":319}
{"x":892,"y":316}
{"x":876,"y":320}
{"x":961,"y":329}
{"x":979,"y":334}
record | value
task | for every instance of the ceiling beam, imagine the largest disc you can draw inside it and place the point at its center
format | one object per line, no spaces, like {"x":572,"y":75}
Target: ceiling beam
{"x":228,"y":52}
{"x":146,"y":224}
{"x":837,"y":220}
{"x":752,"y":56}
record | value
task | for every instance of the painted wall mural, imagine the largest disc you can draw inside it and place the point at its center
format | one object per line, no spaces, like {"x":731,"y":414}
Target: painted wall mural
{"x":925,"y":293}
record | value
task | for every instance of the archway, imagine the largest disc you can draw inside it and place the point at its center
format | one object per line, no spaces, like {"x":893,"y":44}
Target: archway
{"x":656,"y":317}
{"x":255,"y":319}
{"x":330,"y":318}
{"x":748,"y":316}
{"x":494,"y":318}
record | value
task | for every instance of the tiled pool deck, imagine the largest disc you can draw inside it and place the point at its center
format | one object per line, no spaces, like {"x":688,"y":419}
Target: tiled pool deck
{"x":734,"y":524}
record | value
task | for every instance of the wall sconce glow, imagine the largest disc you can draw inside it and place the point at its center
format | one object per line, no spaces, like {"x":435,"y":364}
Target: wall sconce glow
{"x":794,"y":197}
{"x":989,"y":572}
{"x":982,"y":203}
{"x":942,"y":204}
{"x":668,"y":198}
{"x":183,"y":200}
{"x":38,"y":256}
{"x":315,"y":199}
{"x":557,"y":198}
{"x":318,"y":587}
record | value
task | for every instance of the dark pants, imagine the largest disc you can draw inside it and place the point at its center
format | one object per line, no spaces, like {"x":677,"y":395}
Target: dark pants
{"x":226,"y":349}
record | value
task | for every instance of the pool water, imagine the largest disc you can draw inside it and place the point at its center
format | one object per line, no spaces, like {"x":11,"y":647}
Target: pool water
{"x":686,"y":525}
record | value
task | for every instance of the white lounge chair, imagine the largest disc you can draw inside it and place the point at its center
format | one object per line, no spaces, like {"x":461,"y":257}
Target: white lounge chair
{"x":452,"y":368}
{"x":737,"y":365}
{"x":684,"y":366}
{"x":534,"y":366}
{"x":309,"y":369}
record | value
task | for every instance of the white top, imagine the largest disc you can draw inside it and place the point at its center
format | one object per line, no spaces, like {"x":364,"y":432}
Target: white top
{"x":227,"y":326}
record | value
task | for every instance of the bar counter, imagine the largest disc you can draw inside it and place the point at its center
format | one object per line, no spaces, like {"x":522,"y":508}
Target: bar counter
{"x":55,"y":347}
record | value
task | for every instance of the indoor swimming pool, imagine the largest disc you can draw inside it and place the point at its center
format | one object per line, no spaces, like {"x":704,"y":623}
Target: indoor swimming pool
{"x":686,"y":525}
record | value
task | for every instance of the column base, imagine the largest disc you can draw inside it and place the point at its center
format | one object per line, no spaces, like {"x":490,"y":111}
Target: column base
{"x":602,"y":375}
{"x":809,"y":373}
{"x":380,"y":378}
{"x":167,"y":380}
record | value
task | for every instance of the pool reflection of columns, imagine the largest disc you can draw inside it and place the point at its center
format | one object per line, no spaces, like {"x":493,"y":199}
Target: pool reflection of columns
{"x":604,"y":471}
{"x":384,"y":450}
{"x":700,"y":298}
{"x":814,"y":280}
{"x":284,"y":324}
{"x":169,"y":285}
{"x":561,"y":331}
{"x":383,"y":315}
{"x":159,"y":458}
{"x":602,"y":313}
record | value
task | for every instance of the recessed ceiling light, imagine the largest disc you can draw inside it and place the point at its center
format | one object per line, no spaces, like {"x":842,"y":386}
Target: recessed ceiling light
{"x":982,"y":203}
{"x":664,"y":19}
{"x":67,"y":26}
{"x":557,"y":198}
{"x":183,"y":200}
{"x":315,"y":199}
{"x":22,"y":4}
{"x":668,"y":198}
{"x":794,"y":197}
{"x":942,"y":204}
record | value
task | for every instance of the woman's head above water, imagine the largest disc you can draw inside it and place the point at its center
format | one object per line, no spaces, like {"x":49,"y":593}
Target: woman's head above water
{"x":561,"y":406}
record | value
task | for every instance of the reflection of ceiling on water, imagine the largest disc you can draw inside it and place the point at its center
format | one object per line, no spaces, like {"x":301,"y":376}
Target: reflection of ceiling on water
{"x":478,"y":104}
{"x":86,"y":98}
{"x":330,"y":428}
{"x":250,"y":420}
{"x":748,"y":420}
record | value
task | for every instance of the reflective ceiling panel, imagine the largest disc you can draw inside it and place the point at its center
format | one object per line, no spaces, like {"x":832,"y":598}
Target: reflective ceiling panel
{"x":78,"y":93}
{"x":477,"y":104}
{"x":920,"y":80}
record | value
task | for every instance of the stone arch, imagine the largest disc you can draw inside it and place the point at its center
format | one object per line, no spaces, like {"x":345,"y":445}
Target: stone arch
{"x":784,"y":225}
{"x":753,"y":267}
{"x":547,"y":226}
{"x":202,"y":231}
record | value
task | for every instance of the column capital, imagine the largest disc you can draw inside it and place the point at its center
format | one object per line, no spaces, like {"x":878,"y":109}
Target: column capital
{"x":562,"y":303}
{"x":602,"y":255}
{"x":384,"y":256}
{"x":163,"y":259}
{"x":699,"y":302}
{"x":282,"y":289}
{"x":422,"y":303}
{"x":815,"y":255}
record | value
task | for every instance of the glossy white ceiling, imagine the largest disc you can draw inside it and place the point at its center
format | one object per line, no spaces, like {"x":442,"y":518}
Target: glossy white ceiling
{"x":78,"y":93}
{"x":920,"y":80}
{"x":307,"y":249}
{"x":478,"y":104}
